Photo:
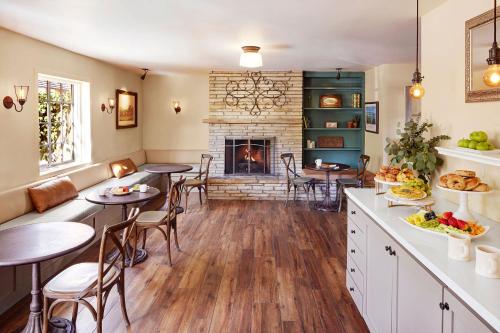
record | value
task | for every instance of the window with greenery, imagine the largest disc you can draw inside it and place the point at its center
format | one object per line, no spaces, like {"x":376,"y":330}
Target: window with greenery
{"x":56,"y":116}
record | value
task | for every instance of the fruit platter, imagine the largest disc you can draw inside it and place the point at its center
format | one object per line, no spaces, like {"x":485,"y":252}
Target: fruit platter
{"x":445,"y":223}
{"x":391,"y":176}
{"x":477,"y":143}
{"x":414,"y":192}
{"x":122,"y":190}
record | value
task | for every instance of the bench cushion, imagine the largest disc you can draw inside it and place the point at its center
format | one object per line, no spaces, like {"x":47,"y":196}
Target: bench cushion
{"x":71,"y":211}
{"x":52,"y":193}
{"x":123,"y":168}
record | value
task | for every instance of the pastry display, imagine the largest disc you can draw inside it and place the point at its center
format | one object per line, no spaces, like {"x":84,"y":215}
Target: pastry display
{"x":394,"y":174}
{"x":463,"y":180}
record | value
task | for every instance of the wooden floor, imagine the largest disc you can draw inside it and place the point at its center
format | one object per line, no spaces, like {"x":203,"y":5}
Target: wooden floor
{"x":245,"y":266}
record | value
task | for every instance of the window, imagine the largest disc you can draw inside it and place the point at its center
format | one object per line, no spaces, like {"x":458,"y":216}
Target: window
{"x":61,"y":122}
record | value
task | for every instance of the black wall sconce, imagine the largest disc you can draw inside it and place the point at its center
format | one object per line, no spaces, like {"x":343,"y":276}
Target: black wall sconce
{"x":111,"y":104}
{"x":143,"y":76}
{"x":21,"y":96}
{"x":339,"y":69}
{"x":177,"y":106}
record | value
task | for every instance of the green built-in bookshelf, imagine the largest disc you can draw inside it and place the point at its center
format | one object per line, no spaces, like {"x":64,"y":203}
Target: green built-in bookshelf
{"x":317,"y":84}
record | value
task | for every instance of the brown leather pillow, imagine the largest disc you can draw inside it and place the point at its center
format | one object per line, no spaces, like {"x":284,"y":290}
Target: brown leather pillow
{"x":52,"y":193}
{"x":123,"y":168}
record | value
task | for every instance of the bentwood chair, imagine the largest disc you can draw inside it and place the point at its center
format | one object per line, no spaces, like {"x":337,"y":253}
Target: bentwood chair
{"x":160,"y":218}
{"x":294,"y":180}
{"x":78,"y":283}
{"x":201,"y":181}
{"x":358,"y":181}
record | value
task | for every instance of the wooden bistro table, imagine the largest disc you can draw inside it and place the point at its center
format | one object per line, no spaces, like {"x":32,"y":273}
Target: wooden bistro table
{"x":328,"y":205}
{"x":124,"y":200}
{"x":34,"y":243}
{"x":168,"y":169}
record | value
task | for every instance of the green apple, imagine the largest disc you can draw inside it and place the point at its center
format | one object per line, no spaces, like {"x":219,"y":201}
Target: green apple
{"x":479,"y":136}
{"x":483,"y":146}
{"x":464,"y":143}
{"x":491,"y":147}
{"x":472,"y":144}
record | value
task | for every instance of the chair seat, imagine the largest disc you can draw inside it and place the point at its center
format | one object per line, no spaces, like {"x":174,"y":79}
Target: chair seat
{"x":348,"y":181}
{"x":77,"y":278}
{"x":193,"y":182}
{"x":154,"y":216}
{"x":302,"y":180}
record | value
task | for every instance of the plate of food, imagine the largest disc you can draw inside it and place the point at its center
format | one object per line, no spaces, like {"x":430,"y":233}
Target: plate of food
{"x":442,"y":225}
{"x":463,"y":181}
{"x":415,"y":189}
{"x":122,"y":190}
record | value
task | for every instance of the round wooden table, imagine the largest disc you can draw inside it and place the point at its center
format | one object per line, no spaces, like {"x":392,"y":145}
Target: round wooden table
{"x":168,"y":169}
{"x":124,"y":200}
{"x":328,"y":205}
{"x":34,"y":243}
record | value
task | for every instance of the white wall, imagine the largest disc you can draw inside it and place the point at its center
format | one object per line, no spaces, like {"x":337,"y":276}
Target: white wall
{"x":443,"y":64}
{"x":20,"y":63}
{"x":386,"y":84}
{"x":180,"y":137}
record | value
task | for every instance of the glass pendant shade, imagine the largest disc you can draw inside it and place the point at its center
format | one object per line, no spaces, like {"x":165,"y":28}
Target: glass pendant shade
{"x":251,"y":57}
{"x":21,"y":93}
{"x":417,"y":90}
{"x":492,"y":76}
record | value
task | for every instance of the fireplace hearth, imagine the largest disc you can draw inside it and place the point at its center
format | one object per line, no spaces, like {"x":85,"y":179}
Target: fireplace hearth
{"x":245,"y":156}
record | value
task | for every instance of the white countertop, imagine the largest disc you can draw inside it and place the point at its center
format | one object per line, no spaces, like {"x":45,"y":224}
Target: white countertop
{"x":481,"y":294}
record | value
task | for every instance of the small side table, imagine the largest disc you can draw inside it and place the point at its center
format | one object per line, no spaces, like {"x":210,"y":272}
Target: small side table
{"x":328,"y":205}
{"x":168,"y":169}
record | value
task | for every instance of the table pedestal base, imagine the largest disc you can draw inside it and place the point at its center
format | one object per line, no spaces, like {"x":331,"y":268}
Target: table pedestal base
{"x":327,"y":205}
{"x":140,"y":255}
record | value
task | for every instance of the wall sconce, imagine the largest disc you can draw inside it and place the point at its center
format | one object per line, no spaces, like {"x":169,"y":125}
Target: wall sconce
{"x":21,"y":96}
{"x":111,"y":104}
{"x":177,"y":106}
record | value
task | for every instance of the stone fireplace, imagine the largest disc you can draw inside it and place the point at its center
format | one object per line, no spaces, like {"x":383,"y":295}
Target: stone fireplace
{"x":247,"y":148}
{"x":248,"y":156}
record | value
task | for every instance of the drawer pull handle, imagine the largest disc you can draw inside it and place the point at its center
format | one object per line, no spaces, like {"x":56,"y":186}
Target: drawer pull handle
{"x":351,"y":289}
{"x":353,"y":270}
{"x":353,"y":231}
{"x":353,"y":251}
{"x":353,"y":212}
{"x":441,"y":305}
{"x":387,"y":248}
{"x":446,"y":306}
{"x":392,"y":253}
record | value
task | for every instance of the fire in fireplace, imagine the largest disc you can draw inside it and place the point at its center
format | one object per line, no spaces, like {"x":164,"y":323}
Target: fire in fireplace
{"x":248,"y":156}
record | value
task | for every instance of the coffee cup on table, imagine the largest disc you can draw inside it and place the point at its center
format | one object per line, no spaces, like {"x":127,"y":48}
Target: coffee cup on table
{"x":318,"y":162}
{"x":459,"y":247}
{"x":143,"y":188}
{"x":488,"y":261}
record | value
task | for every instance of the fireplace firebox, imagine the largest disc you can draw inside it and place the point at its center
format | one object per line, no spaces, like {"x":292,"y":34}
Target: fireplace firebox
{"x":248,"y":156}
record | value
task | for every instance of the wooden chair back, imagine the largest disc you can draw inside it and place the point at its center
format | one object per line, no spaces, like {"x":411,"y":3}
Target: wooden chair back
{"x":361,"y":171}
{"x":174,"y":197}
{"x":290,"y":168}
{"x":206,"y":160}
{"x":114,"y":237}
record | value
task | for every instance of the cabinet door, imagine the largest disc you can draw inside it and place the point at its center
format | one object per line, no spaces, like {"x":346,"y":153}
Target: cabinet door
{"x":459,"y":319}
{"x":418,"y":297}
{"x":380,"y":277}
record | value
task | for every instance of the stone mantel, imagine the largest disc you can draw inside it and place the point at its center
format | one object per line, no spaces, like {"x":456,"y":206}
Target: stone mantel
{"x":217,"y":120}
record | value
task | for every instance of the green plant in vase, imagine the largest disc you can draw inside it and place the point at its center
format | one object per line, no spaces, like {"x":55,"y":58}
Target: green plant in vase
{"x":413,"y":149}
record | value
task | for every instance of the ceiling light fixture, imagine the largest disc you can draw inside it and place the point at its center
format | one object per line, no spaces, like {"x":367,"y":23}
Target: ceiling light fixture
{"x":492,"y":75}
{"x":416,"y":90}
{"x":143,"y":76}
{"x":251,"y":58}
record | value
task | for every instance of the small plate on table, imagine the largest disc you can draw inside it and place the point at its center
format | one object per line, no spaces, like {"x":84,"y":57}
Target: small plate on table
{"x":119,"y":192}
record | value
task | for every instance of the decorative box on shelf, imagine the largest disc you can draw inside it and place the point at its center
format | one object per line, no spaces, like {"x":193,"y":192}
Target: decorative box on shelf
{"x":330,"y":142}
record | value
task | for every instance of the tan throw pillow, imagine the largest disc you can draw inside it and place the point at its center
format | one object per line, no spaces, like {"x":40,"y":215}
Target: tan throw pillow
{"x":123,"y":168}
{"x":52,"y":193}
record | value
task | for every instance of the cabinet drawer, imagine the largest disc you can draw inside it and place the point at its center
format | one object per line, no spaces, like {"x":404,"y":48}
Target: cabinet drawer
{"x":356,"y":254}
{"x":356,"y":274}
{"x":356,"y":234}
{"x":357,"y":215}
{"x":354,"y":292}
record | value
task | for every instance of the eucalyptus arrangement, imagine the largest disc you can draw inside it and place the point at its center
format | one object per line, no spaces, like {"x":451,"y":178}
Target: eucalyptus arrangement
{"x":412,"y":148}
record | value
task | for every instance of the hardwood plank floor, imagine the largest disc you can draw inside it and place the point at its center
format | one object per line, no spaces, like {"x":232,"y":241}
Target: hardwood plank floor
{"x":245,"y":266}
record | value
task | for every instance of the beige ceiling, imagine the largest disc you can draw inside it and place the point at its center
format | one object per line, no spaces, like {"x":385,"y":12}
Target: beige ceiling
{"x":175,"y":35}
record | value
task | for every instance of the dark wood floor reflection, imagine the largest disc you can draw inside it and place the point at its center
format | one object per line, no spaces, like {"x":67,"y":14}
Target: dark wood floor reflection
{"x":245,"y":266}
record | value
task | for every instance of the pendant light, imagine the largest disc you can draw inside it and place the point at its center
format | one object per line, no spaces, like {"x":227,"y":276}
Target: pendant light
{"x":416,"y":90}
{"x":492,"y":75}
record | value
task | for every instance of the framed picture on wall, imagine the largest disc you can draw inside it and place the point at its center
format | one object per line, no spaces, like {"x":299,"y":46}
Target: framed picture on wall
{"x":126,"y":109}
{"x":371,"y":117}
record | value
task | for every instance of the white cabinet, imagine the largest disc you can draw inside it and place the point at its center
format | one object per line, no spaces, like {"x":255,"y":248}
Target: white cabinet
{"x":380,"y":282}
{"x":458,"y":319}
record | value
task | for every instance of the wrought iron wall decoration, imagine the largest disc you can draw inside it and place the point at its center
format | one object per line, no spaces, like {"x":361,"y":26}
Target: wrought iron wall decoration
{"x":255,"y":93}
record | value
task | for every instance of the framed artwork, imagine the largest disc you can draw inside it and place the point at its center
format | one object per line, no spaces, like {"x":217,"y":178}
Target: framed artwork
{"x":126,"y":109}
{"x":330,"y":101}
{"x":371,"y":117}
{"x":331,"y":124}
